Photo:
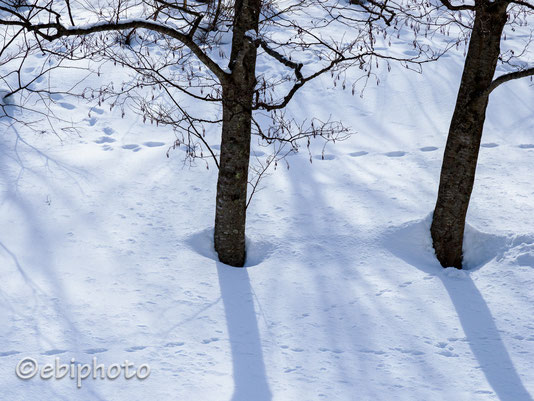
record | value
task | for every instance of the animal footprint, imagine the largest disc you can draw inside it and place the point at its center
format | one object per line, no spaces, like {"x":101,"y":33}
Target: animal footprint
{"x":92,"y":351}
{"x":379,"y":293}
{"x":428,"y":149}
{"x":91,"y":121}
{"x":104,"y":139}
{"x":97,"y":110}
{"x":8,"y":353}
{"x":108,"y":131}
{"x":358,"y":154}
{"x":409,"y":351}
{"x":210,"y":340}
{"x":132,"y":146}
{"x":55,"y":352}
{"x":135,"y":348}
{"x":527,"y":146}
{"x":324,"y":157}
{"x":397,"y":153}
{"x":153,"y":144}
{"x":372,"y":351}
{"x":174,"y":344}
{"x":67,"y":106}
{"x":489,"y":145}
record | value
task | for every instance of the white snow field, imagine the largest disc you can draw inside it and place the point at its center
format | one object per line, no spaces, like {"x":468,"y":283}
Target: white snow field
{"x":105,"y":251}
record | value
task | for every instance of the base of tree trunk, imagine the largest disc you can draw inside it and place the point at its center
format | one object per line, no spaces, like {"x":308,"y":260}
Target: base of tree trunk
{"x":230,"y":255}
{"x":448,"y":245}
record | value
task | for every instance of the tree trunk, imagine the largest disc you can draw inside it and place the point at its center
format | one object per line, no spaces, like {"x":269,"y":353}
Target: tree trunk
{"x":238,"y":91}
{"x":465,"y":133}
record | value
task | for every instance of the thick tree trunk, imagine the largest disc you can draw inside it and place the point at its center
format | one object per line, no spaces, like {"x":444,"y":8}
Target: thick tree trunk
{"x":465,"y":133}
{"x":238,"y":91}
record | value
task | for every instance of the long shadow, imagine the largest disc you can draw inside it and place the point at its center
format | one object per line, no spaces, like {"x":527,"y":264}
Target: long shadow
{"x":250,"y":381}
{"x":475,"y":317}
{"x":484,"y":339}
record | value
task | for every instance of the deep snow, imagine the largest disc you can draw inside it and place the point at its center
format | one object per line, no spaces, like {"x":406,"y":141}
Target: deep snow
{"x":106,"y":251}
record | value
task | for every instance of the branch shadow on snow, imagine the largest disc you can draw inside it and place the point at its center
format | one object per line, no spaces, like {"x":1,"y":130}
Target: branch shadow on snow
{"x":14,"y":164}
{"x":411,"y":242}
{"x":250,"y":379}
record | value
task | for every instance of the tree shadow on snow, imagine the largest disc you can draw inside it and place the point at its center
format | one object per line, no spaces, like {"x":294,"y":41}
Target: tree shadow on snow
{"x":412,"y":243}
{"x":250,"y":379}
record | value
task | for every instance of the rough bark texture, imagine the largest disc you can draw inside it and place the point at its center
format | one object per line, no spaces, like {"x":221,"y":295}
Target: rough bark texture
{"x":465,"y":133}
{"x":238,"y":90}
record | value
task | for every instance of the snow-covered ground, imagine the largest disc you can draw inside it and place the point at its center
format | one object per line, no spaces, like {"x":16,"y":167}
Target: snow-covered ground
{"x":105,"y":251}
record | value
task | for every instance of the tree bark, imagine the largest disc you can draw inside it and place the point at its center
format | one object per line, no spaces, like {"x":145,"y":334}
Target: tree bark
{"x":238,"y":91}
{"x":465,"y":133}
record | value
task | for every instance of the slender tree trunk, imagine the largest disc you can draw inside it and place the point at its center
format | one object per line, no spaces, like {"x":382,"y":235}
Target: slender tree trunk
{"x":465,"y":133}
{"x":238,"y":91}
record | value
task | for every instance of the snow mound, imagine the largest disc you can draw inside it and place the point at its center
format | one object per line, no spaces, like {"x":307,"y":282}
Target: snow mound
{"x":412,"y":243}
{"x":257,"y":250}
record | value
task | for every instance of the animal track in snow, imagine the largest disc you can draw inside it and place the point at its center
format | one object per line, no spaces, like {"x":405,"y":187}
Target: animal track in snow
{"x":209,"y":340}
{"x":489,"y":145}
{"x":92,"y":351}
{"x":396,"y":153}
{"x":289,"y":370}
{"x":379,"y":293}
{"x":91,"y":121}
{"x":108,"y":131}
{"x":135,"y":348}
{"x":372,"y":351}
{"x":54,"y":352}
{"x":97,"y":110}
{"x":174,"y":344}
{"x":67,"y":106}
{"x":133,"y":146}
{"x":448,"y":354}
{"x":324,"y":157}
{"x":8,"y":353}
{"x":335,"y":351}
{"x":409,"y":351}
{"x":428,"y":149}
{"x":104,"y":139}
{"x":446,"y":350}
{"x":153,"y":144}
{"x":358,"y":154}
{"x":527,"y":146}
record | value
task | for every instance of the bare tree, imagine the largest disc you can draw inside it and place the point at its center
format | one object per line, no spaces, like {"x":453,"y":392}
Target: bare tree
{"x":195,"y":61}
{"x":485,"y":21}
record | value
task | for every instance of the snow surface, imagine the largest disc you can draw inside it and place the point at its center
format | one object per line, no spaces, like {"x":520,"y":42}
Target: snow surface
{"x":106,"y":251}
